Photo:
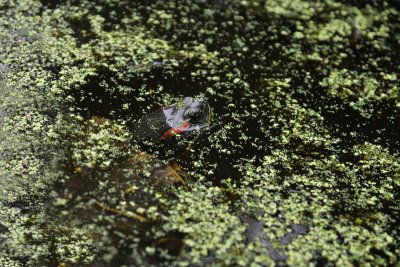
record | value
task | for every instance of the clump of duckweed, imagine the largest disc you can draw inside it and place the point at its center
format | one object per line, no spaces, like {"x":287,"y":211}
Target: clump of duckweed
{"x":301,"y":166}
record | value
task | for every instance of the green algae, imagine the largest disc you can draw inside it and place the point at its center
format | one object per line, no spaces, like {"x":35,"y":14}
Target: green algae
{"x":360,"y":89}
{"x":306,"y":96}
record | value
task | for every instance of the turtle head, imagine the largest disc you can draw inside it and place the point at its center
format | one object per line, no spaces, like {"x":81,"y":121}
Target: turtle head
{"x":196,"y":111}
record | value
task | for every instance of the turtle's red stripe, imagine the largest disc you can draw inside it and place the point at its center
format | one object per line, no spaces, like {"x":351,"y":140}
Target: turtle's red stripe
{"x":174,"y":131}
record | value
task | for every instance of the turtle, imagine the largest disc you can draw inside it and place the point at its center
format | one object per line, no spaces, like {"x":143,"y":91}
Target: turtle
{"x":186,"y":117}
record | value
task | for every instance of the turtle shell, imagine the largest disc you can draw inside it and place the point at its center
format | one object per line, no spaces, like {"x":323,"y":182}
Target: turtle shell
{"x":186,"y":117}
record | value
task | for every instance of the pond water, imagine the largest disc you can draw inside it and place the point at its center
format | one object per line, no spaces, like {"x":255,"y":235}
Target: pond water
{"x":299,"y":165}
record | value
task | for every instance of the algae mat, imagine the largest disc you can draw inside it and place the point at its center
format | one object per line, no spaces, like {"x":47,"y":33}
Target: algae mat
{"x":300,"y":168}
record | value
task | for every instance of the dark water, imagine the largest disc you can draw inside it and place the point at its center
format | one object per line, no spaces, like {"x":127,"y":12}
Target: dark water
{"x":97,"y":101}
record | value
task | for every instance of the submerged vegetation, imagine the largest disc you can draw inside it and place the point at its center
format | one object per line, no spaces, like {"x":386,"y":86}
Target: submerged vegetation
{"x":301,"y":166}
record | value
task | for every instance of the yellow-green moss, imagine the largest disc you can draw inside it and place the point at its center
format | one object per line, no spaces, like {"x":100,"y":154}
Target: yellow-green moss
{"x":278,"y":159}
